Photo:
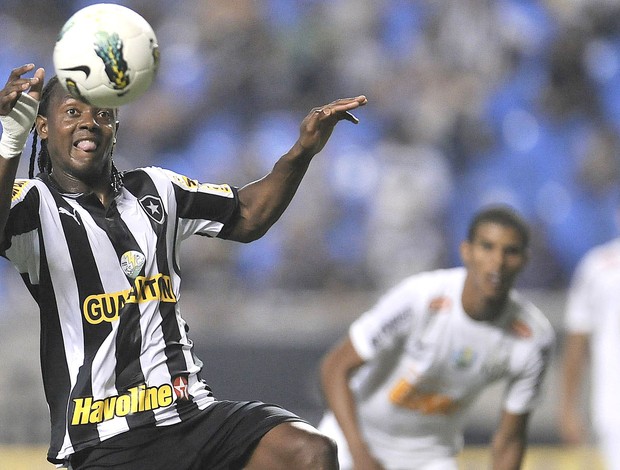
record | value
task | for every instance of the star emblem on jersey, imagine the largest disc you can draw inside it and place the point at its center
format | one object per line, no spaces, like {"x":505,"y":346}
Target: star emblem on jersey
{"x":153,"y":207}
{"x":132,"y":263}
{"x":179,"y":385}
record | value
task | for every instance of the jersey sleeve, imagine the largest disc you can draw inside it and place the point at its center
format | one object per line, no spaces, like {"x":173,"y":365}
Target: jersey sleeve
{"x":19,"y":241}
{"x":388,"y":320}
{"x":203,"y":208}
{"x":580,"y":299}
{"x":523,"y":389}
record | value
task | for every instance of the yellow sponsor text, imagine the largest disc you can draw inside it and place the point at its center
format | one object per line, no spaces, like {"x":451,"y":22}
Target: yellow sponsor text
{"x":215,"y":188}
{"x":209,"y":188}
{"x":136,"y":400}
{"x":106,"y":307}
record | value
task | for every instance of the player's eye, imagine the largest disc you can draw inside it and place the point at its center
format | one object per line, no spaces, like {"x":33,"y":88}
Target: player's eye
{"x":485,"y":245}
{"x":513,"y":250}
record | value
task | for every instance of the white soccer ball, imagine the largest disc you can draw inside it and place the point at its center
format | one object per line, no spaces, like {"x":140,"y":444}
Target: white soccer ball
{"x":106,"y":55}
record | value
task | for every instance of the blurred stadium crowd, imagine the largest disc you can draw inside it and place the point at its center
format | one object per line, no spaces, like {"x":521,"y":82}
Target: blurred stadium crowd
{"x":470,"y":102}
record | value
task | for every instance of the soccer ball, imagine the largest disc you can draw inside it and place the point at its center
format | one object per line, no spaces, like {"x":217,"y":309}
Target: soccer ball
{"x":106,"y":55}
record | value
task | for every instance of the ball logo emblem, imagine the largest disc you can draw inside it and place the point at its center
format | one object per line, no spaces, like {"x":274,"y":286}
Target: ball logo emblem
{"x":109,"y":47}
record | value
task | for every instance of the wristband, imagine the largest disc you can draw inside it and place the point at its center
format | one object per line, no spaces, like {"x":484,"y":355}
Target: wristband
{"x":17,"y":125}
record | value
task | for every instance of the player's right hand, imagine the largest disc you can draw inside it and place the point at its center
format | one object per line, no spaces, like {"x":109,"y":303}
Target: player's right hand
{"x":16,"y":85}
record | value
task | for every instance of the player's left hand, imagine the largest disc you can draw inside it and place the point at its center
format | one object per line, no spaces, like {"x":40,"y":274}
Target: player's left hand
{"x":317,"y":126}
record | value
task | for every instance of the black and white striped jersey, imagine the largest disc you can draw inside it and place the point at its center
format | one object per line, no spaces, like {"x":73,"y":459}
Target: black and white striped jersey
{"x":114,"y":348}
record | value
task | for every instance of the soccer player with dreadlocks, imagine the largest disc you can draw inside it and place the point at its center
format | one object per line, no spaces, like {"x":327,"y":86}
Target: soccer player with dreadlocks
{"x":97,"y":249}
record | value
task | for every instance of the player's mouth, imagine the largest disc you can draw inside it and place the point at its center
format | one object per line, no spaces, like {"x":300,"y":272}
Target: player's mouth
{"x":86,"y":145}
{"x":495,"y":280}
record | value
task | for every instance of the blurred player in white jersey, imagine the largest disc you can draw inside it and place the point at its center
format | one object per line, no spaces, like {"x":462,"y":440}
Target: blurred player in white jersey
{"x":592,"y":325}
{"x":400,"y":383}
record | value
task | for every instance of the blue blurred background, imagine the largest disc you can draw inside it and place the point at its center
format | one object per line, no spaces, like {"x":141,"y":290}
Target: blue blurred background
{"x":470,"y":102}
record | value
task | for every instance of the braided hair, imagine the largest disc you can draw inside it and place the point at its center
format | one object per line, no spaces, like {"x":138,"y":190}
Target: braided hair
{"x":44,"y":161}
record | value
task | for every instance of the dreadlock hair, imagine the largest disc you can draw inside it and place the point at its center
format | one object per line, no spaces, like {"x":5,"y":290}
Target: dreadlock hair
{"x":44,"y":161}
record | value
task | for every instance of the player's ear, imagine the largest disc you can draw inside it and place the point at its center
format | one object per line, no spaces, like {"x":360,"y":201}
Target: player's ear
{"x":40,"y":125}
{"x":465,"y":251}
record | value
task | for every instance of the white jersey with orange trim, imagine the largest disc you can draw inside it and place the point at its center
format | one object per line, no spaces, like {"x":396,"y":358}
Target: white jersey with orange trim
{"x":427,"y":361}
{"x":114,"y":348}
{"x":593,"y":308}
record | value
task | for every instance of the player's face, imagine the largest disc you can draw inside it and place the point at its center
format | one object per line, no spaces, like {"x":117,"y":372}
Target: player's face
{"x":80,"y":137}
{"x":493,"y":260}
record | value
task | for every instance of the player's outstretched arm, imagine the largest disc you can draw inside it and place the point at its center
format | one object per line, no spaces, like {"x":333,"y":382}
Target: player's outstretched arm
{"x":19,"y":101}
{"x":510,"y":441}
{"x":337,"y":366}
{"x":263,"y":202}
{"x":572,"y":429}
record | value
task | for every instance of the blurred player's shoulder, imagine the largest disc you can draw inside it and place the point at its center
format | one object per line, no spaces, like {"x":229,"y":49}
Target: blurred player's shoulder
{"x":529,"y":322}
{"x":603,"y":257}
{"x":438,"y":279}
{"x":434,"y":288}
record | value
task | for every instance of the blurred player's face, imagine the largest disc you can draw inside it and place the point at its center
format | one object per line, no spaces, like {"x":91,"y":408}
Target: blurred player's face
{"x":493,"y":260}
{"x":79,"y":137}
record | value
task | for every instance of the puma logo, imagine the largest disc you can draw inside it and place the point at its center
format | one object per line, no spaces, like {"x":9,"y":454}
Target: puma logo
{"x":73,"y":215}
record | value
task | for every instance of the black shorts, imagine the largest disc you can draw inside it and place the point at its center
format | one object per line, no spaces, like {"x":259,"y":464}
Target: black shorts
{"x":222,"y":437}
